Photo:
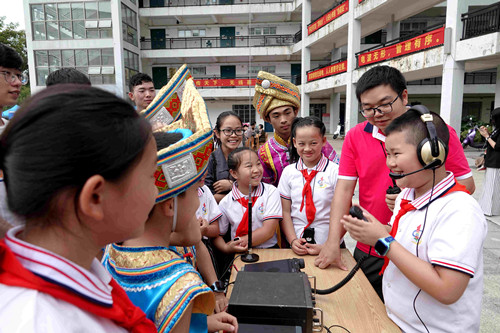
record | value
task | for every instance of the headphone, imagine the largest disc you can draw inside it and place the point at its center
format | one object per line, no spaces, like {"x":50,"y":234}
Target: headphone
{"x":431,"y":151}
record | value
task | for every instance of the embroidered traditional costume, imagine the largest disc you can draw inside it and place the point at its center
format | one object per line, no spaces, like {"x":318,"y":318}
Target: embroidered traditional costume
{"x":158,"y":279}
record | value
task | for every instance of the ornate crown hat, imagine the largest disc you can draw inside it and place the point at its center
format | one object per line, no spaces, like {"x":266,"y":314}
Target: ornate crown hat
{"x":167,"y":103}
{"x":183,"y":163}
{"x":272,"y":91}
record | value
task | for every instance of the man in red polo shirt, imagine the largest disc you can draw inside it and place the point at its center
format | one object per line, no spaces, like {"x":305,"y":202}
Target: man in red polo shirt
{"x":383,"y":96}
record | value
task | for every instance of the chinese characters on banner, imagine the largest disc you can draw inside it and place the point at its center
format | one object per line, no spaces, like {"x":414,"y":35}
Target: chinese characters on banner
{"x":333,"y":69}
{"x":225,"y":82}
{"x":424,"y":41}
{"x":328,"y":17}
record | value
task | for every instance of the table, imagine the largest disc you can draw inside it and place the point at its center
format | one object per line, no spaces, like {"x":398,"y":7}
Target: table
{"x":355,"y":306}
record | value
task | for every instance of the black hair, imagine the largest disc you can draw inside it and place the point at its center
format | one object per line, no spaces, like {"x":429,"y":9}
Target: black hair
{"x":9,"y":58}
{"x":220,"y":120}
{"x":60,"y":138}
{"x":253,"y":123}
{"x":165,"y":139}
{"x":495,"y":117}
{"x":381,"y":75}
{"x":67,"y":75}
{"x":261,"y":126}
{"x":415,"y":129}
{"x":303,"y":122}
{"x":137,"y":80}
{"x":234,"y":158}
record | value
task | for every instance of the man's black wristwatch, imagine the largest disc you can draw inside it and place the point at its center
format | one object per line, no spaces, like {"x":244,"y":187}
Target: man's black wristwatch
{"x":218,"y":287}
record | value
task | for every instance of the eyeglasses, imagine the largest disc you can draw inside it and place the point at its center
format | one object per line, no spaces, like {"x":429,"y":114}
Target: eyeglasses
{"x":11,"y":78}
{"x":229,"y":132}
{"x":382,"y":109}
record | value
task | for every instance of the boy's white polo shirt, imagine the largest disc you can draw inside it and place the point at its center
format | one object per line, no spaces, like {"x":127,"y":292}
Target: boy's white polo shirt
{"x":266,"y":207}
{"x":323,"y":186}
{"x":208,"y":209}
{"x":453,"y":237}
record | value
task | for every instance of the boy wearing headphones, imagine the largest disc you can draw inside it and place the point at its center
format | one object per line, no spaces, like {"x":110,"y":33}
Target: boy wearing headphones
{"x":433,"y":279}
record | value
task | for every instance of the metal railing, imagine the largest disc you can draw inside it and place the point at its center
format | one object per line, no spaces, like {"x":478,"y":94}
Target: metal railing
{"x":298,"y":36}
{"x":216,"y":42}
{"x":398,"y":40}
{"x":186,"y":3}
{"x":337,"y":3}
{"x":481,"y":22}
{"x":469,"y":78}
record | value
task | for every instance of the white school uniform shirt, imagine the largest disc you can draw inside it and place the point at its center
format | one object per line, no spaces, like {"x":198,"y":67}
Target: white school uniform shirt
{"x":266,"y":207}
{"x":323,"y":185}
{"x":28,"y":310}
{"x":208,"y":209}
{"x":453,"y":237}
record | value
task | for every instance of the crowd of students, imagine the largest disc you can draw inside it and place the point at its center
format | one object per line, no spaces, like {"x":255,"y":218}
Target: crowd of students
{"x":86,"y":172}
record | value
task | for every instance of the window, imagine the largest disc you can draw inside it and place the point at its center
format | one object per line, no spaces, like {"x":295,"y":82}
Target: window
{"x":131,"y":61}
{"x":267,"y":68}
{"x":198,"y":71}
{"x":77,"y":20}
{"x":98,"y":64}
{"x":317,"y":110}
{"x":246,"y":112}
{"x":263,"y":31}
{"x":191,"y":33}
{"x":129,"y":25}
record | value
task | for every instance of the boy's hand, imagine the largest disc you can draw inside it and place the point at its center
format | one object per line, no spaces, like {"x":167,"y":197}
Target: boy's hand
{"x":221,"y":302}
{"x":363,"y":231}
{"x":330,"y":255}
{"x":237,"y":246}
{"x":298,"y":246}
{"x":390,"y":200}
{"x":313,"y":249}
{"x":203,"y":225}
{"x":223,"y":185}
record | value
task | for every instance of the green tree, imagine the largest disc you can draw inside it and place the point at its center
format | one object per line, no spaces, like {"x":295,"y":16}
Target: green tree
{"x":11,"y":36}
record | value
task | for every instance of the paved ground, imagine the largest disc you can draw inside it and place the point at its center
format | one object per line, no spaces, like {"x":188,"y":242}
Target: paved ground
{"x":490,"y":316}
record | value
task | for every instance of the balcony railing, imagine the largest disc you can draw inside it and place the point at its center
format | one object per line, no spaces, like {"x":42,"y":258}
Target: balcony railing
{"x":216,"y":42}
{"x":481,"y":22}
{"x":298,"y":36}
{"x":185,"y":3}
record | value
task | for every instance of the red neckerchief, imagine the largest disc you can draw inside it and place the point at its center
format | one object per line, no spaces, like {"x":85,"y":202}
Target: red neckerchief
{"x":406,"y":206}
{"x":307,"y":196}
{"x":242,"y":229}
{"x":123,"y":312}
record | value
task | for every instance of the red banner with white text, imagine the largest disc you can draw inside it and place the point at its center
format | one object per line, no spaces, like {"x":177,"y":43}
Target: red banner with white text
{"x":333,"y":69}
{"x":328,"y":17}
{"x":225,"y":82}
{"x":419,"y":43}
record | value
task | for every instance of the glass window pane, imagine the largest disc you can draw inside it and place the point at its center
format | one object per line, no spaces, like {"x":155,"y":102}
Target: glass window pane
{"x":68,"y":58}
{"x":37,"y":13}
{"x":79,"y":29}
{"x":107,"y":57}
{"x":272,"y":30}
{"x":54,"y":58}
{"x":92,"y":33}
{"x":104,"y":10}
{"x":50,"y":12}
{"x":196,"y":33}
{"x":182,"y":33}
{"x":266,"y":31}
{"x":66,"y":30}
{"x":77,"y":11}
{"x":94,"y":57}
{"x":81,"y":58}
{"x":108,"y":79}
{"x":41,"y":75}
{"x":39,"y":31}
{"x":189,"y":33}
{"x":258,"y":31}
{"x":202,"y":33}
{"x":41,"y":58}
{"x":95,"y":79}
{"x":64,"y":11}
{"x":106,"y":33}
{"x":84,"y":70}
{"x":91,"y":10}
{"x":52,"y":30}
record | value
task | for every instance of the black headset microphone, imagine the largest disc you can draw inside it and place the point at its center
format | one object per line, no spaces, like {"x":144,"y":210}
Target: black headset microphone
{"x":432,"y":165}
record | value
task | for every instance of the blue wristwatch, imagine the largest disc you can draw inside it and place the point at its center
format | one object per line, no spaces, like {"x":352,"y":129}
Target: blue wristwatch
{"x":383,"y":244}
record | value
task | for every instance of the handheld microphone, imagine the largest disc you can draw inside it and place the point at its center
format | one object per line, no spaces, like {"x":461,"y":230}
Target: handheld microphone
{"x":432,"y":165}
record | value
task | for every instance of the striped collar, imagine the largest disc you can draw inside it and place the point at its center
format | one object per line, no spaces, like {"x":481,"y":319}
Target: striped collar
{"x":93,"y":284}
{"x":375,"y":131}
{"x":279,"y":140}
{"x":438,"y":191}
{"x":320,"y":167}
{"x":200,"y":191}
{"x":256,"y":192}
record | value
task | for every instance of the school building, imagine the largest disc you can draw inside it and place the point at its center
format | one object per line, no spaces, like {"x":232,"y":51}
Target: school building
{"x":448,"y":51}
